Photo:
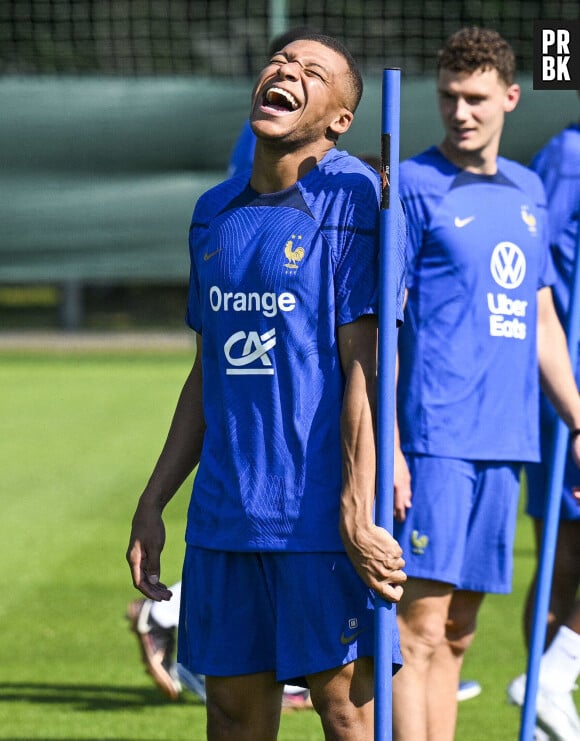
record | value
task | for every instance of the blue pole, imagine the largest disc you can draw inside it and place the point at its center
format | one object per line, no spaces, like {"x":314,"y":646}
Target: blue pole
{"x":387,"y":350}
{"x":278,"y":17}
{"x":551,"y":521}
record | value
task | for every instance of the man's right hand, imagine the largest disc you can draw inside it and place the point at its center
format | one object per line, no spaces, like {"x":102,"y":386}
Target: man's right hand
{"x":144,"y":552}
{"x":378,"y":560}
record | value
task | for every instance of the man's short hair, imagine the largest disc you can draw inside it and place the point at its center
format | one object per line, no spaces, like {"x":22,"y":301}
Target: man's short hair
{"x":473,"y":48}
{"x":291,"y":34}
{"x":304,"y":33}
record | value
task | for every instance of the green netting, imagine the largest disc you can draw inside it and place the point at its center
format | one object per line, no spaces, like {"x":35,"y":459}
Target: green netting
{"x":229,"y":38}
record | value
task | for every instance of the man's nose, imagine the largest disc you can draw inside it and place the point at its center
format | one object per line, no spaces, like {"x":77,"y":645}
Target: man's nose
{"x":289,"y":70}
{"x":461,"y":112}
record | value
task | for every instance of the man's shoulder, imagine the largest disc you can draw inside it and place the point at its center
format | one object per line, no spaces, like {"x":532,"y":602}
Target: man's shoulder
{"x":213,"y":200}
{"x":560,"y":153}
{"x":567,"y":140}
{"x":523,"y":177}
{"x":343,"y":167}
{"x":427,"y":171}
{"x":339,"y":180}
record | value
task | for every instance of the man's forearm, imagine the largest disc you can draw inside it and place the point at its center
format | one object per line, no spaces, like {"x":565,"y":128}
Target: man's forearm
{"x":358,"y":453}
{"x":182,"y":449}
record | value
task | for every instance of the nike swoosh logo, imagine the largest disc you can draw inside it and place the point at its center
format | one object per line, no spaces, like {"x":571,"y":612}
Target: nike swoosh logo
{"x":209,"y":255}
{"x":351,"y":637}
{"x":463,"y":222}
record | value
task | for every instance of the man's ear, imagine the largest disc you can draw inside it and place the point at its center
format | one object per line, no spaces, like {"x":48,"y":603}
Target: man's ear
{"x":341,"y":124}
{"x":512,"y":97}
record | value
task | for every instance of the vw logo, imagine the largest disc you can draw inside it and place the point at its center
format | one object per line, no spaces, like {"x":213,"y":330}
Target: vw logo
{"x":508,"y":265}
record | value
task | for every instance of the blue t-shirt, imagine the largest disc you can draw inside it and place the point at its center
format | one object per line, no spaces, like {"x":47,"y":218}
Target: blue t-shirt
{"x":272,"y":278}
{"x":242,"y":155}
{"x":558,"y":165}
{"x":477,"y":255}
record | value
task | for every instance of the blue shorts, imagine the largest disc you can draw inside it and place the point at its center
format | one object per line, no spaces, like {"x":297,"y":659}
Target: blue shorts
{"x":537,"y":475}
{"x":461,"y":526}
{"x":291,"y":613}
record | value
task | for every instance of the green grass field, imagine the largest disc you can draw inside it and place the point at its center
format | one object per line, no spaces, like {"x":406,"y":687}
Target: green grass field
{"x":80,"y":435}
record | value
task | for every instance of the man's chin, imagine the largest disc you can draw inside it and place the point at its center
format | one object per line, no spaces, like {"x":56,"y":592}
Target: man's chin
{"x":273,"y":135}
{"x":465,"y":142}
{"x":275,"y":127}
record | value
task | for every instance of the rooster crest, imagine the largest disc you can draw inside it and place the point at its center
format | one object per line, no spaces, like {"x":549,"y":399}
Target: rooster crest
{"x":293,"y":255}
{"x":419,"y":542}
{"x":528,"y":219}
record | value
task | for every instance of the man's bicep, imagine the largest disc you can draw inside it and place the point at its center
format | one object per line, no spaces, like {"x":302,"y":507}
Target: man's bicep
{"x":357,"y":343}
{"x":546,"y":308}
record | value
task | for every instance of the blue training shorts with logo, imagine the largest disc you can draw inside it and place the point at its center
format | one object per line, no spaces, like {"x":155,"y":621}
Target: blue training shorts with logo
{"x":291,"y":613}
{"x":461,"y":526}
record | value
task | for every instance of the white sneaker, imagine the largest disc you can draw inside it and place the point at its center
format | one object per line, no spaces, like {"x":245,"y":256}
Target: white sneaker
{"x":555,"y":711}
{"x":468,"y":688}
{"x":540,"y":735}
{"x":516,"y":691}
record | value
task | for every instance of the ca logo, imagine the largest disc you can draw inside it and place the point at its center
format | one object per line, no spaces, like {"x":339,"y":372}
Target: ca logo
{"x":508,"y":265}
{"x":245,"y":348}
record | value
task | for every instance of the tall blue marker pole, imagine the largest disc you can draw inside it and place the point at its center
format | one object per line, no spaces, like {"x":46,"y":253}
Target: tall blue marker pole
{"x":387,"y":351}
{"x":551,"y":521}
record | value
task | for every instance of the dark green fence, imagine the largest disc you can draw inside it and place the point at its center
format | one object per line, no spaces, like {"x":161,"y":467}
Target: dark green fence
{"x":99,"y":176}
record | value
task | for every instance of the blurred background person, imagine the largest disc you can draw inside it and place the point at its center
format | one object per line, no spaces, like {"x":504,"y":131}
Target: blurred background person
{"x":558,"y":165}
{"x":470,"y":361}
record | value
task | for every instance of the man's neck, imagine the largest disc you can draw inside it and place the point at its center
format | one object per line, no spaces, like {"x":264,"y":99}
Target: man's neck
{"x":274,"y":170}
{"x":480,"y":163}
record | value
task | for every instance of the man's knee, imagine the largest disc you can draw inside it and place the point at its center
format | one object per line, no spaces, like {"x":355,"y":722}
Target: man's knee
{"x":421,"y":637}
{"x":343,"y":698}
{"x":422,"y":617}
{"x":462,"y":621}
{"x":243,"y":708}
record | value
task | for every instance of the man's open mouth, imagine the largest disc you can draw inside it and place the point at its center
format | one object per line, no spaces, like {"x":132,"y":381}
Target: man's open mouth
{"x":280,"y":100}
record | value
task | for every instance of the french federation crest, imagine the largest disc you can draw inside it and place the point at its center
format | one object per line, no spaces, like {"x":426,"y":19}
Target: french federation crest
{"x":294,"y":254}
{"x":529,"y":219}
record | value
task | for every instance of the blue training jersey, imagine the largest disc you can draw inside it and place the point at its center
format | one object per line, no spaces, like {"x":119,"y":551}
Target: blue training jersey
{"x":477,"y":255}
{"x":558,"y":165}
{"x":273,"y":276}
{"x":242,"y":155}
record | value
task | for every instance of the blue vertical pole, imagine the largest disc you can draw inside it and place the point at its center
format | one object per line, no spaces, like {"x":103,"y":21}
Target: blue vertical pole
{"x":278,"y":18}
{"x":551,"y":520}
{"x":387,"y":350}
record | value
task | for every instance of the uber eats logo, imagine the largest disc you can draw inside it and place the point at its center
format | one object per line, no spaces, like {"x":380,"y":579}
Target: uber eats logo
{"x":556,"y":55}
{"x":507,"y":314}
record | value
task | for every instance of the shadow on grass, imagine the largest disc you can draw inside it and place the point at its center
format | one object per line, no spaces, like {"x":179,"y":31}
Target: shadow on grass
{"x":89,"y":697}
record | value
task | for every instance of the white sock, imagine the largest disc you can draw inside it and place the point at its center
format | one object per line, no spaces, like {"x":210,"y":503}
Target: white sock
{"x":166,"y":614}
{"x":560,"y":665}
